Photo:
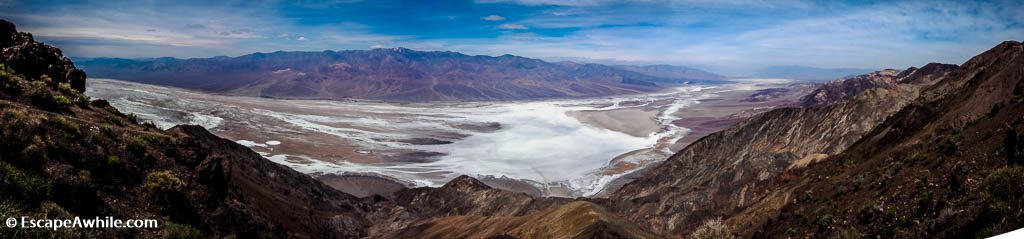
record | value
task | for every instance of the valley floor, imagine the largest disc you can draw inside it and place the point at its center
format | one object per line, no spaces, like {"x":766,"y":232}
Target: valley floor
{"x":351,"y":143}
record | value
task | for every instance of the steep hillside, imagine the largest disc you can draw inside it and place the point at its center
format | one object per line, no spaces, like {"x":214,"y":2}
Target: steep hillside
{"x":64,"y":156}
{"x":948,"y":165}
{"x":467,"y":208}
{"x":844,"y":89}
{"x":721,"y":173}
{"x":396,"y":74}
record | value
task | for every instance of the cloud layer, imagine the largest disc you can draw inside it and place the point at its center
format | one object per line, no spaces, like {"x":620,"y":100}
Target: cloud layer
{"x":731,"y":37}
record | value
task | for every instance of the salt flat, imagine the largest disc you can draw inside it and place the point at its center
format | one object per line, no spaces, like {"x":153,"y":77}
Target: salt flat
{"x":563,"y":147}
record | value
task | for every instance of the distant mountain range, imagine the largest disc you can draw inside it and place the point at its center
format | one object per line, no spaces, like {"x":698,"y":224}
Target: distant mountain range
{"x":394,"y":74}
{"x":807,"y":73}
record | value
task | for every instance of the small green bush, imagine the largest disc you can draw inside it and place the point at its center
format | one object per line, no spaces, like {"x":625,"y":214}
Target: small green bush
{"x":21,"y":185}
{"x":65,"y":88}
{"x":10,"y":83}
{"x":115,"y":120}
{"x":138,"y":143}
{"x":66,"y":125}
{"x":113,"y":160}
{"x":181,"y":231}
{"x":1005,"y":184}
{"x":62,"y":101}
{"x":162,"y":181}
{"x":106,"y":129}
{"x":40,"y":94}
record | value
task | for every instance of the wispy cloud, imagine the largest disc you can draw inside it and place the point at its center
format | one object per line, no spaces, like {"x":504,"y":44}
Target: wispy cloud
{"x":493,"y":18}
{"x":512,"y":26}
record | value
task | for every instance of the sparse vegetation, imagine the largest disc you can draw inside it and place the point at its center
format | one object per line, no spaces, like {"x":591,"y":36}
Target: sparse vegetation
{"x":163,"y":181}
{"x":712,"y":229}
{"x":181,"y":231}
{"x":17,"y":183}
{"x":66,"y":124}
{"x":1003,"y":187}
{"x":113,"y":160}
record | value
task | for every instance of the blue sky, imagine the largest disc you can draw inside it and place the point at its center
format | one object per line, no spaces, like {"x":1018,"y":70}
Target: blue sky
{"x":728,"y":37}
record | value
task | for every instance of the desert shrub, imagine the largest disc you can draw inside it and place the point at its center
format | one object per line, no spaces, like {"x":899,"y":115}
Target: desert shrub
{"x":9,"y":209}
{"x":82,"y":100}
{"x":115,"y":120}
{"x":107,"y":129}
{"x":19,"y":184}
{"x":164,"y":180}
{"x":65,"y":124}
{"x":181,"y":231}
{"x":40,"y":95}
{"x":10,"y":83}
{"x":135,"y":143}
{"x":849,"y":233}
{"x":149,"y":124}
{"x":62,"y":101}
{"x":949,"y":145}
{"x":133,"y":118}
{"x":66,"y":89}
{"x":1005,"y":185}
{"x":113,"y":160}
{"x":712,"y":229}
{"x":139,"y":142}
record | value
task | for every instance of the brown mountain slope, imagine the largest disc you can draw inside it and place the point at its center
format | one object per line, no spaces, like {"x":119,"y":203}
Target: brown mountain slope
{"x":722,"y":173}
{"x":396,"y":74}
{"x":467,"y":208}
{"x":946,"y":166}
{"x":63,"y":156}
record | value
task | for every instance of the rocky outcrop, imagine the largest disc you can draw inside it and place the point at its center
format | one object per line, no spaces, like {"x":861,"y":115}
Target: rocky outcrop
{"x":34,"y":59}
{"x":725,"y":171}
{"x":844,"y":89}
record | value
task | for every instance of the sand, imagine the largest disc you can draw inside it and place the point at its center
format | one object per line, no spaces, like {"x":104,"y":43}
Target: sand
{"x":638,"y":122}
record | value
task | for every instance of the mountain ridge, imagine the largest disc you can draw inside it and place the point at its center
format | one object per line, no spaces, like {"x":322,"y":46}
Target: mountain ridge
{"x":392,"y":74}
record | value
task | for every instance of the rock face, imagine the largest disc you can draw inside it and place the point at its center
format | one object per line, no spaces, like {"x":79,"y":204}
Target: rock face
{"x":939,"y":167}
{"x":396,"y":74}
{"x":844,"y":89}
{"x":726,"y":171}
{"x":33,"y":59}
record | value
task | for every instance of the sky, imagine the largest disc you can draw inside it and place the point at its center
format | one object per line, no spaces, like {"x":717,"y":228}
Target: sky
{"x":724,"y":36}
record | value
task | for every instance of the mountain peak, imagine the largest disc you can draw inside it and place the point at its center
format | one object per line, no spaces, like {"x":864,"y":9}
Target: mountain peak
{"x":33,"y":59}
{"x":466,"y":183}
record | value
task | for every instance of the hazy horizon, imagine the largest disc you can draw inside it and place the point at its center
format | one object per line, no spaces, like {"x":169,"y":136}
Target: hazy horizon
{"x":725,"y":37}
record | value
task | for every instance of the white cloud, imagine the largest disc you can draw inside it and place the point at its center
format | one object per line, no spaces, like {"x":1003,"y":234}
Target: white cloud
{"x":512,"y":26}
{"x":302,"y":38}
{"x":493,"y":18}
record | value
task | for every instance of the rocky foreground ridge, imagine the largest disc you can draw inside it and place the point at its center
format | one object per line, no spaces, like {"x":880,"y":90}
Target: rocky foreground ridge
{"x":928,"y":152}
